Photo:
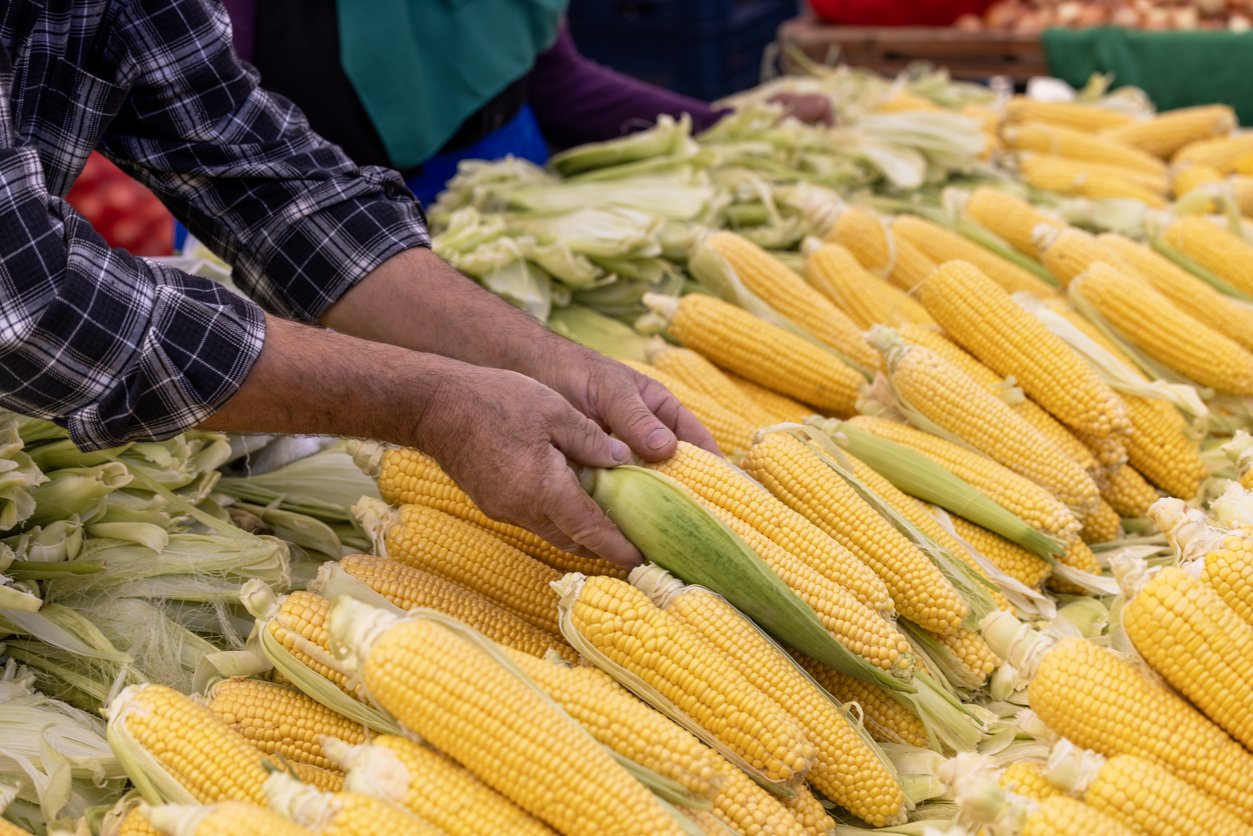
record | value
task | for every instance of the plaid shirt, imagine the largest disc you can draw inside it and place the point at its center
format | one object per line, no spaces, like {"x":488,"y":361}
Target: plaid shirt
{"x":114,"y":347}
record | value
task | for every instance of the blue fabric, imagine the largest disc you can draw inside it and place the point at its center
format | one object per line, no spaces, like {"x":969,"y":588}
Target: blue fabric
{"x":519,"y":136}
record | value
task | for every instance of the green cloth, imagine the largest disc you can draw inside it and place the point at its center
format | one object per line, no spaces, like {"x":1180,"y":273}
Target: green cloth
{"x":1176,"y":69}
{"x":420,"y":67}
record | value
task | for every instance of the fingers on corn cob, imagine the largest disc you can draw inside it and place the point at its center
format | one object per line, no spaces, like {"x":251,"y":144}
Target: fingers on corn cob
{"x":691,"y":368}
{"x":731,"y":430}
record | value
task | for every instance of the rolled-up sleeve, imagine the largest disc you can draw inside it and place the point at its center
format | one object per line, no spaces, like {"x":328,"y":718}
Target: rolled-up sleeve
{"x":297,"y":220}
{"x":110,"y":346}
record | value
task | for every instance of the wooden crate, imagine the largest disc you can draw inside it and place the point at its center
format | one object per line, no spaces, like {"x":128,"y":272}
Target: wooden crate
{"x":970,"y":56}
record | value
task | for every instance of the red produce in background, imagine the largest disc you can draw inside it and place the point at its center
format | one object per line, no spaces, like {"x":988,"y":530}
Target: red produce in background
{"x":897,"y":12}
{"x":124,"y":212}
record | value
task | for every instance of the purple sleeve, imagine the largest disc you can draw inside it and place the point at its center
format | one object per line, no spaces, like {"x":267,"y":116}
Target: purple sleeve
{"x":577,"y":100}
{"x":242,"y":14}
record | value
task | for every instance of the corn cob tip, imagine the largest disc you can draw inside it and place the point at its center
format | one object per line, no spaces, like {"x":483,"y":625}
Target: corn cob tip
{"x":568,"y":587}
{"x":375,"y":517}
{"x":302,"y":803}
{"x":367,"y":456}
{"x":887,"y":341}
{"x":811,"y":245}
{"x":175,"y":819}
{"x":374,"y":770}
{"x":1019,"y":645}
{"x":258,"y":599}
{"x":1071,"y":768}
{"x":123,"y":702}
{"x":655,"y":582}
{"x":1043,"y":236}
{"x":661,"y":305}
{"x":1240,"y":449}
{"x":354,"y":626}
{"x":656,"y":346}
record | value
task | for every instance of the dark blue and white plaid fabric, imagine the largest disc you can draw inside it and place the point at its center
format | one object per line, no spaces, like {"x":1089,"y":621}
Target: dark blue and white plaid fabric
{"x":115,"y":347}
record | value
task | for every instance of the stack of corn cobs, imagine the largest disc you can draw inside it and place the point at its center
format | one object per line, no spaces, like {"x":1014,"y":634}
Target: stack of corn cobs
{"x":978,"y":558}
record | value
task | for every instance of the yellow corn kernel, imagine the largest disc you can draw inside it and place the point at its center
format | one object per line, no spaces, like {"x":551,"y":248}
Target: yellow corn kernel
{"x":984,"y":320}
{"x":1128,"y":493}
{"x":780,"y":408}
{"x":744,"y":806}
{"x":972,"y":652}
{"x":239,"y":818}
{"x":1026,"y":778}
{"x":341,"y":813}
{"x":866,"y":298}
{"x":911,"y":266}
{"x":1073,"y":251}
{"x":280,"y":720}
{"x":300,"y":627}
{"x":132,"y":823}
{"x":1098,"y":701}
{"x":1080,"y":146}
{"x":1148,"y":798}
{"x":697,"y":373}
{"x":1165,"y":133}
{"x":1160,"y":449}
{"x":1083,"y":117}
{"x":462,"y":552}
{"x":1010,"y":558}
{"x":326,"y":780}
{"x":864,"y":234}
{"x":942,"y":245}
{"x":887,"y":719}
{"x":808,"y":810}
{"x":1010,"y":217}
{"x":1065,"y":816}
{"x":1228,"y":570}
{"x":1215,"y":249}
{"x":1097,"y":180}
{"x":739,"y":342}
{"x":731,"y":430}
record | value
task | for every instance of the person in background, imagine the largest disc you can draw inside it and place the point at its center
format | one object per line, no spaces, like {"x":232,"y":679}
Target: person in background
{"x":419,"y":87}
{"x":356,"y":328}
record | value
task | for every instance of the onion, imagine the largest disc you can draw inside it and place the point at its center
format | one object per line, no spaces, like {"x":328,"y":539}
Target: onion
{"x":1184,"y":18}
{"x":1125,"y":15}
{"x":1004,"y":14}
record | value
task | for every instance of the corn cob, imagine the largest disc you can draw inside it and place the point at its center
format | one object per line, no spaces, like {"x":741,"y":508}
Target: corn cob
{"x":300,"y":627}
{"x":407,"y":588}
{"x":1146,"y":318}
{"x":1241,"y":187}
{"x":716,"y":481}
{"x":731,"y":430}
{"x":1026,"y":778}
{"x":906,"y":101}
{"x":433,"y":541}
{"x":627,"y":725}
{"x":1080,"y":146}
{"x":341,"y":813}
{"x":133,"y":822}
{"x":779,"y":408}
{"x":739,"y":342}
{"x":866,"y":298}
{"x":621,"y":623}
{"x":1127,"y":492}
{"x":887,"y":720}
{"x":1064,"y":816}
{"x":1222,"y":153}
{"x":1101,"y":524}
{"x":1215,"y":249}
{"x":239,"y":818}
{"x":433,"y":786}
{"x":1160,"y":450}
{"x":1165,"y":133}
{"x":781,"y":289}
{"x":279,"y":720}
{"x":808,"y":810}
{"x":845,"y":769}
{"x":696,"y":372}
{"x":1098,"y":701}
{"x":1082,"y":117}
{"x":1140,"y":793}
{"x":747,"y":808}
{"x":941,"y":245}
{"x":1012,"y":218}
{"x":1072,"y":251}
{"x":449,"y":690}
{"x":971,"y":652}
{"x":1228,"y":570}
{"x":1030,"y":501}
{"x":985,"y":321}
{"x":911,"y":267}
{"x":1055,"y":174}
{"x":798,"y":477}
{"x":1191,"y":177}
{"x":215,"y":763}
{"x":1013,"y":560}
{"x":315,"y":776}
{"x":1185,"y":631}
{"x":866,"y":237}
{"x":958,"y":404}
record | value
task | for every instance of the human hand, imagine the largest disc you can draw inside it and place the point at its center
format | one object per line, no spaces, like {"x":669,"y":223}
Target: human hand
{"x":810,"y":108}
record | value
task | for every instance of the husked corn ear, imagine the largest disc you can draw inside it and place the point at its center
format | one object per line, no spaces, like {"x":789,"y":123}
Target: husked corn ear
{"x":866,"y":298}
{"x":1165,"y":133}
{"x":744,"y":806}
{"x":435,"y":787}
{"x":1228,"y":570}
{"x":1080,"y":146}
{"x":1057,"y":174}
{"x":1222,"y":152}
{"x":1149,"y":799}
{"x":797,"y":476}
{"x":7,"y":828}
{"x":1083,"y":117}
{"x":407,"y":588}
{"x":969,"y":649}
{"x":206,"y":757}
{"x":866,"y":237}
{"x":300,"y":626}
{"x":1185,"y":631}
{"x":1127,"y":492}
{"x":1010,"y":558}
{"x":1190,"y":294}
{"x":732,"y":431}
{"x":239,"y":818}
{"x":911,"y":267}
{"x":716,"y":481}
{"x":341,"y":813}
{"x":1149,"y":320}
{"x":315,"y":776}
{"x":780,"y":408}
{"x":845,"y":769}
{"x":1065,"y":816}
{"x":465,"y":703}
{"x":1032,"y":502}
{"x":1215,"y":249}
{"x":1159,"y":448}
{"x":632,"y":728}
{"x":1093,"y":698}
{"x":1109,"y":452}
{"x":959,"y":405}
{"x":1026,"y":778}
{"x":984,"y":320}
{"x":1101,"y":524}
{"x":1192,"y":177}
{"x":942,"y":246}
{"x":409,"y":477}
{"x":790,"y":295}
{"x":1010,"y":217}
{"x":739,"y":342}
{"x":436,"y":542}
{"x":905,"y":101}
{"x":696,"y":372}
{"x":1079,"y":556}
{"x":1073,"y":251}
{"x":808,"y":810}
{"x":280,"y":720}
{"x":887,"y":720}
{"x":132,"y":823}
